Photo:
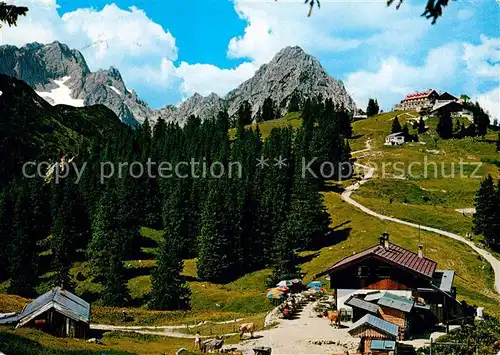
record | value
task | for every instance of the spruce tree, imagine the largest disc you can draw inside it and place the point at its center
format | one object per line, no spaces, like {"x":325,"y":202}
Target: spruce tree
{"x":308,"y":220}
{"x":268,"y":110}
{"x":294,"y":103}
{"x":23,"y":251}
{"x":245,"y":113}
{"x":6,"y":232}
{"x":169,"y":289}
{"x":487,"y":216}
{"x":396,"y":126}
{"x":421,"y":125}
{"x":372,"y":109}
{"x":70,"y":230}
{"x":215,"y":261}
{"x":285,"y":261}
{"x":107,"y":251}
{"x":445,"y":125}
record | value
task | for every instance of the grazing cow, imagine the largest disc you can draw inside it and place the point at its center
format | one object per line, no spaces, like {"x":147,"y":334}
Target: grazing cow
{"x":333,"y":318}
{"x":247,"y":328}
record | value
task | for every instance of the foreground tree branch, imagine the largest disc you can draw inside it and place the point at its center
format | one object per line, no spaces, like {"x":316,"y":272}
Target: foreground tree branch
{"x":9,"y":14}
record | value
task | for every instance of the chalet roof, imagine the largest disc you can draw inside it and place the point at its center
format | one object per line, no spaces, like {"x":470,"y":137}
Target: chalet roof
{"x":443,"y":279}
{"x":419,"y":95}
{"x":377,"y":323}
{"x":394,"y":255}
{"x":357,"y":302}
{"x":377,"y":344}
{"x":439,"y":105}
{"x":63,"y":301}
{"x":447,"y":96}
{"x":393,"y":301}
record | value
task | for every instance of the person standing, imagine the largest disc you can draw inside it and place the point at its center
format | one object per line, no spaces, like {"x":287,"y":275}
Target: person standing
{"x":197,"y":341}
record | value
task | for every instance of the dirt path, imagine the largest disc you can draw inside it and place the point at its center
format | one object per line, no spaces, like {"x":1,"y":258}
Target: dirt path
{"x":164,"y":330}
{"x":346,"y":196}
{"x":307,"y":334}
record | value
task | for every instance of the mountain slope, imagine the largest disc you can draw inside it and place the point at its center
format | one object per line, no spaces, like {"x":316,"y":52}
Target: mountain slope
{"x":290,"y":71}
{"x":32,"y":129}
{"x":61,"y":76}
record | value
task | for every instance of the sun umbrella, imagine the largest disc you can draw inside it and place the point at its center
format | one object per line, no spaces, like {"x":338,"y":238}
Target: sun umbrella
{"x":286,"y":283}
{"x":283,"y":288}
{"x":315,"y":283}
{"x":275,"y":295}
{"x":317,"y":289}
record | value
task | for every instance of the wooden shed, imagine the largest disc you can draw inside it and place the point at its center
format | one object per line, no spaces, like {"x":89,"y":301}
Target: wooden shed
{"x":369,"y":329}
{"x":58,"y":312}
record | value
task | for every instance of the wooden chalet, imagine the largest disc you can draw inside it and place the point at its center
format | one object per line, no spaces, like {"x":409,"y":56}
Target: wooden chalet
{"x":403,"y":275}
{"x":57,"y":312}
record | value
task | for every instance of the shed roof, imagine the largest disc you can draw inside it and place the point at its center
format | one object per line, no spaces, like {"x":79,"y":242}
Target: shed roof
{"x":394,"y":255}
{"x":443,"y":279}
{"x":375,"y":296}
{"x":393,"y":301}
{"x":394,"y":134}
{"x":377,"y":323}
{"x":64,"y":301}
{"x":357,"y":302}
{"x":377,"y":344}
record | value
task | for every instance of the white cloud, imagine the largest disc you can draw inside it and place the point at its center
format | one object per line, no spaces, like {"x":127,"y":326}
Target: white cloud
{"x":483,"y":60}
{"x":335,"y":28}
{"x":394,"y":78}
{"x":490,"y":101}
{"x":107,"y":37}
{"x":207,"y":78}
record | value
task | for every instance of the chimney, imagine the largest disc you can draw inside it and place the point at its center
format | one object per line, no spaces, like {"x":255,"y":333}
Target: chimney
{"x":420,"y":251}
{"x":384,"y":240}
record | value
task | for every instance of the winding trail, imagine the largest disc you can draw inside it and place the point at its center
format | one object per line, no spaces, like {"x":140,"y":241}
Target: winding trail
{"x":346,"y":196}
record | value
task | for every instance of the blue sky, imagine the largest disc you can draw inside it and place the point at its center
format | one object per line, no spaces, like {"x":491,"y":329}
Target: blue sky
{"x":167,"y":50}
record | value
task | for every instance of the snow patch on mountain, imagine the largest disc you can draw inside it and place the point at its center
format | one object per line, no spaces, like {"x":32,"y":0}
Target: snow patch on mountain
{"x":115,"y":90}
{"x":61,"y":95}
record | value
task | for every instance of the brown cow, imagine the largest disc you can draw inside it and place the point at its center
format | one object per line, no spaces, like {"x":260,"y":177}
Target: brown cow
{"x":333,"y":318}
{"x":247,"y":328}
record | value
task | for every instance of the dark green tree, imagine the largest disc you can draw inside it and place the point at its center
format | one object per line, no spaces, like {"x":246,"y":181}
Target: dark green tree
{"x":169,"y":289}
{"x":285,"y":261}
{"x":107,"y":251}
{"x":294,"y":103}
{"x":70,"y":230}
{"x":421,"y":125}
{"x":372,"y":109}
{"x":245,"y":113}
{"x":396,"y":126}
{"x":445,"y":125}
{"x":268,"y":110}
{"x":216,"y":261}
{"x":487,"y":216}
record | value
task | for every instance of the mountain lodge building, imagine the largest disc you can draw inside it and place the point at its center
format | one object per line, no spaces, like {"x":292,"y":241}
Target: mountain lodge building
{"x":389,"y":271}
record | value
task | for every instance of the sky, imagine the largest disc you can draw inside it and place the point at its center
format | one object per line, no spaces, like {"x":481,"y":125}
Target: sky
{"x":168,"y":50}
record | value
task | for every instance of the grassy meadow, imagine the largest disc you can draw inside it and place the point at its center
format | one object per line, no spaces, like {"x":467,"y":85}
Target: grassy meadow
{"x":431,"y":201}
